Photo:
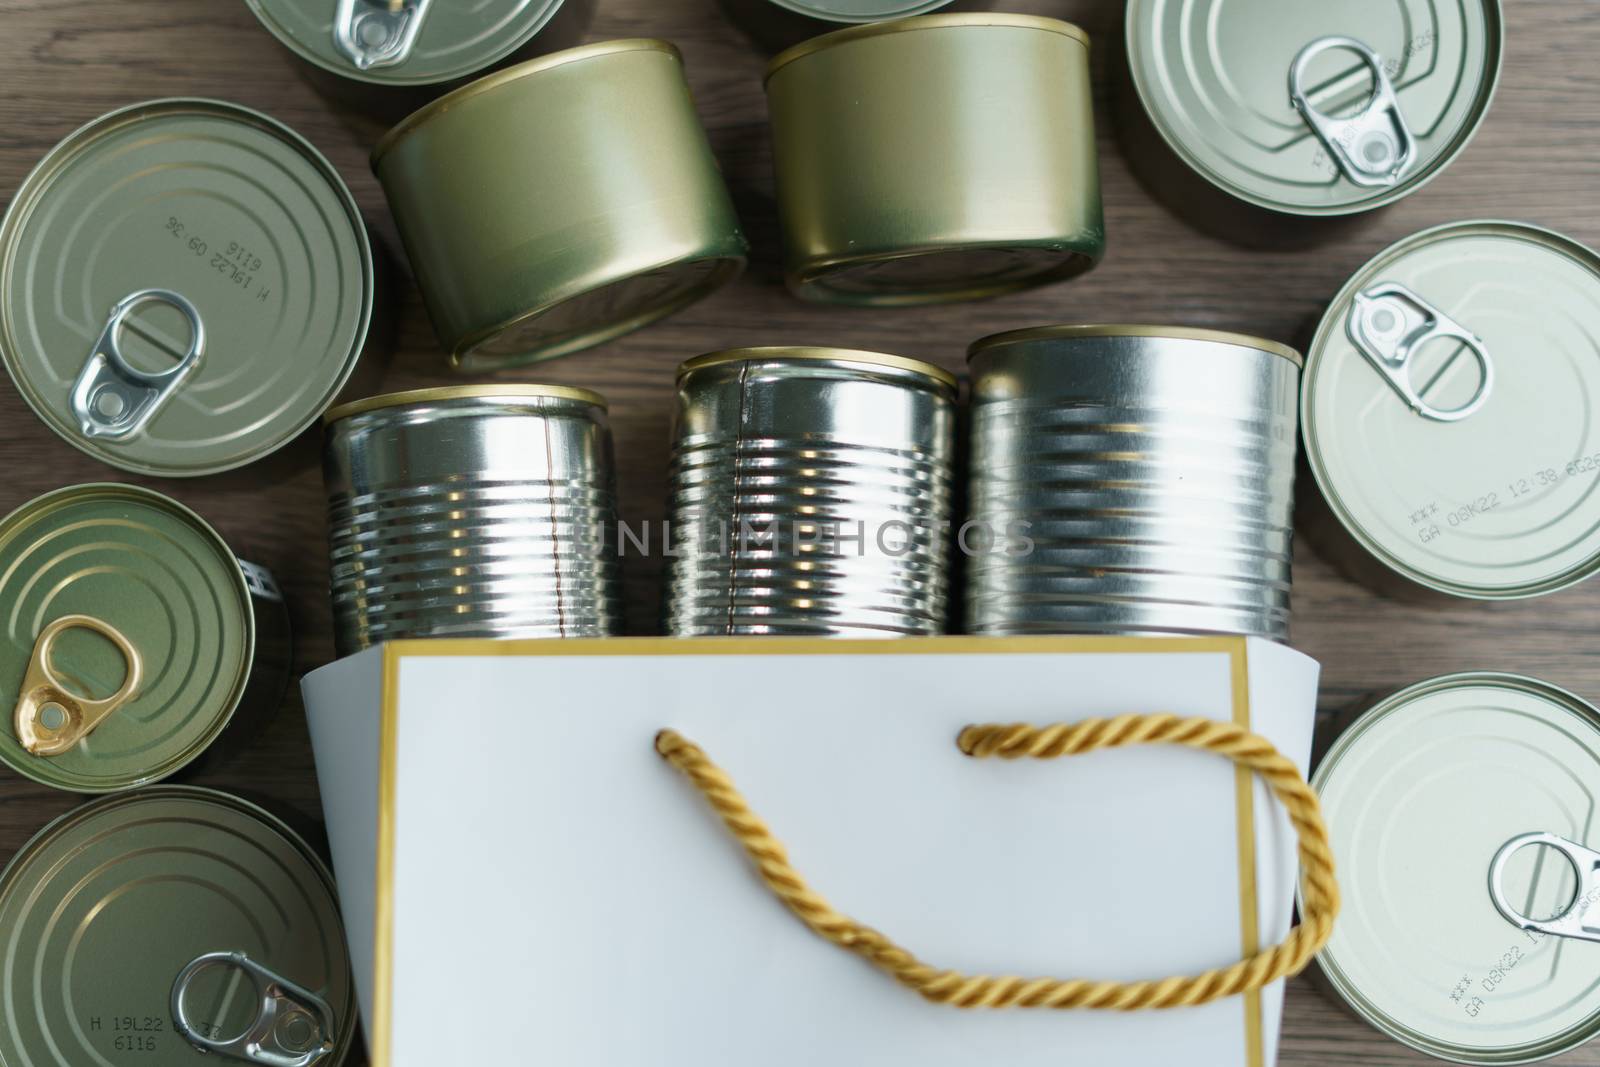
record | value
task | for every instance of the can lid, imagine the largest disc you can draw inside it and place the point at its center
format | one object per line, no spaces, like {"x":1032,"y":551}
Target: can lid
{"x":924,"y":22}
{"x":817,"y":353}
{"x":1451,"y":409}
{"x":1177,"y":333}
{"x":102,"y":912}
{"x":1420,"y":795}
{"x":1316,"y":109}
{"x":153,"y":572}
{"x":185,"y":285}
{"x":427,"y":42}
{"x":464,"y":392}
{"x":861,"y":10}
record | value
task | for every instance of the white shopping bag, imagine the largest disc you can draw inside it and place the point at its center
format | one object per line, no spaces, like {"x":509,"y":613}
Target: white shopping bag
{"x":526,"y":881}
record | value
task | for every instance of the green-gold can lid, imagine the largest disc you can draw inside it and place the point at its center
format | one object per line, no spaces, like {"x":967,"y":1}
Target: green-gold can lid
{"x":105,"y":909}
{"x":453,"y":39}
{"x":1421,"y":794}
{"x":848,"y":11}
{"x":1451,"y":409}
{"x":151,"y":571}
{"x":185,"y":286}
{"x":1218,"y":79}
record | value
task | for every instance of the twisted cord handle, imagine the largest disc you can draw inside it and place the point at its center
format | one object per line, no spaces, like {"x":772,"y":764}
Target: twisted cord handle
{"x":1320,"y":892}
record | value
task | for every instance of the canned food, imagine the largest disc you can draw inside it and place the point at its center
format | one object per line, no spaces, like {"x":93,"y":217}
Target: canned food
{"x":811,"y":494}
{"x":133,"y":638}
{"x":1448,"y":414}
{"x":168,"y":924}
{"x":1450,"y":941}
{"x":1247,"y":115}
{"x":776,"y":24}
{"x":629,"y":220}
{"x":941,"y":158}
{"x":477,"y":511}
{"x":185,"y":285}
{"x":392,"y":56}
{"x":1142,"y":477}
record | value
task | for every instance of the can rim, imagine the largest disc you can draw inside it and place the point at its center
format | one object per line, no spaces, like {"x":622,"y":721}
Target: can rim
{"x":922,"y":22}
{"x":40,"y":179}
{"x":271,"y":24}
{"x":1326,"y":327}
{"x":1174,"y":333}
{"x":1494,"y":16}
{"x":1349,"y":736}
{"x":241,"y":587}
{"x":810,"y":280}
{"x":490,"y":82}
{"x":462,"y":392}
{"x":41,"y":838}
{"x":820,"y":353}
{"x":808,"y":9}
{"x":727,"y":266}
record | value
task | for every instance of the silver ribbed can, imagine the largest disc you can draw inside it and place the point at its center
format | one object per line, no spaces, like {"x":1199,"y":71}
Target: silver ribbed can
{"x":1146,"y":476}
{"x":476,"y":511}
{"x":811,"y":494}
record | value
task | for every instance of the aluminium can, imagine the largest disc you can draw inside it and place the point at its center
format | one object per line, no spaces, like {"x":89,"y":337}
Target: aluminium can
{"x":1449,"y":415}
{"x":560,"y":203}
{"x":474,"y":511}
{"x":1143,"y":477}
{"x":1421,"y":793}
{"x":115,"y":906}
{"x":779,"y":24}
{"x":392,"y":58}
{"x":185,"y":286}
{"x":121,"y":596}
{"x":936,"y":159}
{"x":1269,"y":123}
{"x":811,"y":495}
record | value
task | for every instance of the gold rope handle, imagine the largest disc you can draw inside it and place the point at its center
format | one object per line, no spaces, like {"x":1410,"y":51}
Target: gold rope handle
{"x":1320,"y":893}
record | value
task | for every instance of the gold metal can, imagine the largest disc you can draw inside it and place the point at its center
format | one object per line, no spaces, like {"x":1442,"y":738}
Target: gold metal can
{"x":936,"y":159}
{"x":561,"y":203}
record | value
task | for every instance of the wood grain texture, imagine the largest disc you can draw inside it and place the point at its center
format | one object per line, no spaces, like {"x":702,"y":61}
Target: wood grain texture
{"x":1536,"y":159}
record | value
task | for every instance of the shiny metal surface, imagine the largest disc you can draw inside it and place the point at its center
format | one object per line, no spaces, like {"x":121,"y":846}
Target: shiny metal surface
{"x":630,"y":220}
{"x":241,"y":220}
{"x":780,"y":24}
{"x":1153,"y":471}
{"x":1501,"y":500}
{"x":1420,"y":794}
{"x":1211,"y":77}
{"x":799,"y":443}
{"x":107,"y":906}
{"x":940,"y":158}
{"x":155,"y":572}
{"x":453,"y":39}
{"x":481,"y":512}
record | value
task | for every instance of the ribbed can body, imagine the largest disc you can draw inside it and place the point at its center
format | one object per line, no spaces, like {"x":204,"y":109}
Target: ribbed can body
{"x":811,"y":495}
{"x":1147,"y":480}
{"x":472,"y":515}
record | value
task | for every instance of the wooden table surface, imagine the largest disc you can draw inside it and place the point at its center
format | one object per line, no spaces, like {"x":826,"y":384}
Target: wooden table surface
{"x":1537,"y":159}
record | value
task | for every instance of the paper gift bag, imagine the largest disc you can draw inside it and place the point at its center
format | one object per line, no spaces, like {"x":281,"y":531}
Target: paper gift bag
{"x":525,"y":880}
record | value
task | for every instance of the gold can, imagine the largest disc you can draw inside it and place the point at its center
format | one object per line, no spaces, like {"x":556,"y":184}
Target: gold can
{"x":936,"y":159}
{"x":558,"y":204}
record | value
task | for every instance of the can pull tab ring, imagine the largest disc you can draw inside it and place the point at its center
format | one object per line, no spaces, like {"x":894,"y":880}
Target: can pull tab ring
{"x":293,"y":1026}
{"x":50,"y":720}
{"x":378,"y":33}
{"x":1372,"y":149}
{"x":1581,"y":919}
{"x":1389,"y":324}
{"x":114,"y":399}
